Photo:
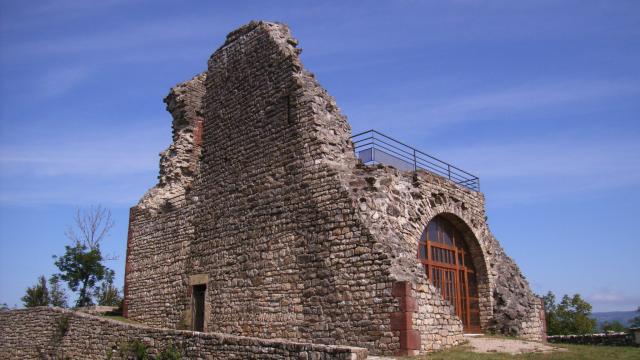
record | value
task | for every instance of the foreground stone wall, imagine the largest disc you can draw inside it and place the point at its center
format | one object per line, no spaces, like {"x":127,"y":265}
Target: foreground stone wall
{"x":52,"y":333}
{"x":608,"y":339}
{"x":292,"y":237}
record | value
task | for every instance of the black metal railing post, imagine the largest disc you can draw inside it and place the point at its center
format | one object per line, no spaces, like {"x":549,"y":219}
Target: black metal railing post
{"x":415,"y":163}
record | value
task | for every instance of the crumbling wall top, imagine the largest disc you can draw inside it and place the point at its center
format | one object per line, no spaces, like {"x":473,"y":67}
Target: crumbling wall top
{"x":179,"y":162}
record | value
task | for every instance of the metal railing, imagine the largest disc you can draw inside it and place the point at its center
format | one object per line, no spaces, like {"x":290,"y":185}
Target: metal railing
{"x":373,"y":147}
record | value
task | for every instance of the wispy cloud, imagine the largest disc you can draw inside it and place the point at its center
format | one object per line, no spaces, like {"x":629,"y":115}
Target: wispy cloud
{"x":430,"y":114}
{"x":113,"y":166}
{"x":610,"y":300}
{"x":88,"y":193}
{"x":528,"y":97}
{"x":608,"y":297}
{"x":61,"y":6}
{"x":115,"y":43}
{"x":554,"y":157}
{"x":57,"y":11}
{"x":100,"y":153}
{"x":547,"y":169}
{"x":530,"y":169}
{"x":57,"y":82}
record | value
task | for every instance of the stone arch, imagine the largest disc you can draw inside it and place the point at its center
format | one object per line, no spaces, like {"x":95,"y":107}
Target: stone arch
{"x":476,"y":244}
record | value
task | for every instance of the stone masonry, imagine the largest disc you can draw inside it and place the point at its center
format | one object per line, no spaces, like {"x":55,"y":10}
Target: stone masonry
{"x":54,"y":333}
{"x":262,"y":200}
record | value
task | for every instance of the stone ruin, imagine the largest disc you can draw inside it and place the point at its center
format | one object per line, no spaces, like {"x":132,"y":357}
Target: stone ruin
{"x":264,"y":223}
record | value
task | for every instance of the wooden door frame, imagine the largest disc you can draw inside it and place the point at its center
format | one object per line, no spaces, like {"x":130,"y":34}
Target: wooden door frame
{"x":198,"y":280}
{"x":459,"y":265}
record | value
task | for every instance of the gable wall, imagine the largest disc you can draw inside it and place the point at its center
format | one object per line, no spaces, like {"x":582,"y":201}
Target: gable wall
{"x":276,"y":231}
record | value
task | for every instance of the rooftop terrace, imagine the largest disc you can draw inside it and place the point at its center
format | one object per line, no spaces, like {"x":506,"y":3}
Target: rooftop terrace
{"x":374,"y":147}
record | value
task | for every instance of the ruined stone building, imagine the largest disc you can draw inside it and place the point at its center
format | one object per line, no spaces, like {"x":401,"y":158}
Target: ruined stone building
{"x":266,"y":222}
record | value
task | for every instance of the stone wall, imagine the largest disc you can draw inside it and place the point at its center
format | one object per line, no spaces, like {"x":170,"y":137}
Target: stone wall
{"x":180,"y":161}
{"x":609,"y":339}
{"x":276,"y":233}
{"x":160,"y":228}
{"x":273,"y":233}
{"x":291,"y":235}
{"x":158,"y":251}
{"x":396,"y":207}
{"x":52,"y":333}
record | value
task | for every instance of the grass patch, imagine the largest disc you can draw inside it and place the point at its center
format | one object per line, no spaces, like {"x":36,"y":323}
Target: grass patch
{"x":119,"y":318}
{"x":575,"y":352}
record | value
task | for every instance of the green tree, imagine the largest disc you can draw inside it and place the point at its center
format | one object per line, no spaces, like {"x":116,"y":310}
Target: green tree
{"x":57,"y":295}
{"x":4,"y":307}
{"x":81,"y":265}
{"x":81,"y":268}
{"x":37,"y":295}
{"x":107,"y":294}
{"x":571,"y":316}
{"x":42,"y":295}
{"x":614,"y":326}
{"x":635,"y":322}
{"x":550,"y":308}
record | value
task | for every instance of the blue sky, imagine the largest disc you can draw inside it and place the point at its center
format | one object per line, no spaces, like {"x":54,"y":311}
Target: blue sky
{"x":539,"y":99}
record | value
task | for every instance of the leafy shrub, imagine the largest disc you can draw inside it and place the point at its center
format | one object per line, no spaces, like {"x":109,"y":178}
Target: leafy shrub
{"x":134,"y":349}
{"x":62,"y":327}
{"x":171,"y":352}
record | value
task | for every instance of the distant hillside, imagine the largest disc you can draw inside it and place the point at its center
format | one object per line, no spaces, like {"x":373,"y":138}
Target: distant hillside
{"x":622,"y":316}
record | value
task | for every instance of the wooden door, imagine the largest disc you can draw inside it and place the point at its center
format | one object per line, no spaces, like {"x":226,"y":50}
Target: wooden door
{"x":448,"y":265}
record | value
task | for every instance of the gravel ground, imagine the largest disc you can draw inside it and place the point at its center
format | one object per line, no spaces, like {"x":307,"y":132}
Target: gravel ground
{"x":483,"y":344}
{"x":511,"y":346}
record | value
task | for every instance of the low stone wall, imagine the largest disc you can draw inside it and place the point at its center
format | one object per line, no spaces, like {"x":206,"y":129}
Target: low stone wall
{"x":52,"y":333}
{"x":609,"y":339}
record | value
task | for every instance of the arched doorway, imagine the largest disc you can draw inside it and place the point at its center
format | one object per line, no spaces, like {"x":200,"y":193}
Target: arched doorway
{"x":448,"y":264}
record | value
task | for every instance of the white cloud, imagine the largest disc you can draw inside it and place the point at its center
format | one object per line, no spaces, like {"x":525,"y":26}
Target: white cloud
{"x":59,"y":81}
{"x":433,"y":115}
{"x":523,"y":170}
{"x":607,"y":297}
{"x":46,"y":12}
{"x":76,"y":193}
{"x":546,"y":169}
{"x":612,"y":300}
{"x":116,"y":43}
{"x":528,"y":97}
{"x":614,"y":158}
{"x":113,"y":165}
{"x":98,"y":153}
{"x":63,"y":6}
